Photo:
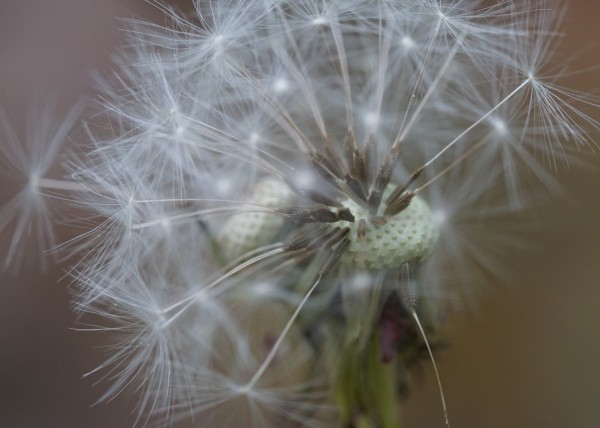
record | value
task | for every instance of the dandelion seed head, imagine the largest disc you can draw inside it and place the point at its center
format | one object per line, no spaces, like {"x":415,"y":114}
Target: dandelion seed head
{"x":281,"y":85}
{"x":218,"y":39}
{"x":272,"y":186}
{"x":500,"y":126}
{"x":295,"y":173}
{"x":319,"y":21}
{"x":371,"y":120}
{"x":247,"y":231}
{"x":165,"y":223}
{"x":408,"y":42}
{"x":409,"y":237}
{"x":30,"y":161}
{"x":223,"y":186}
{"x":34,"y":182}
{"x":254,"y":138}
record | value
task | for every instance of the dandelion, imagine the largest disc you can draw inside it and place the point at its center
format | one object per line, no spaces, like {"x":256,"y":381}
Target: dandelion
{"x":282,"y":192}
{"x":29,"y":165}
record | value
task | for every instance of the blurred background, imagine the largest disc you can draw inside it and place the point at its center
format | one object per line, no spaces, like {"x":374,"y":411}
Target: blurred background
{"x":527,"y":356}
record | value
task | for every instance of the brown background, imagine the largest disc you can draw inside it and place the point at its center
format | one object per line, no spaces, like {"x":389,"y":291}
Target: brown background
{"x":528,"y":356}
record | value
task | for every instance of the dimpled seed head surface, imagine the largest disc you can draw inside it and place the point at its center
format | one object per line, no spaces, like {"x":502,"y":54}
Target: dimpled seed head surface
{"x":249,"y":230}
{"x":408,"y":237}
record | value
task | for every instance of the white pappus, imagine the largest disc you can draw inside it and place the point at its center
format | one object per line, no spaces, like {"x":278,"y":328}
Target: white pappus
{"x":279,"y":191}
